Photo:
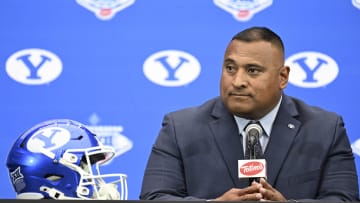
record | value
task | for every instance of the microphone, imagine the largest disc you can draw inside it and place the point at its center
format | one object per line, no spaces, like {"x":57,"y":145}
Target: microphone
{"x":253,"y":132}
{"x":255,"y":167}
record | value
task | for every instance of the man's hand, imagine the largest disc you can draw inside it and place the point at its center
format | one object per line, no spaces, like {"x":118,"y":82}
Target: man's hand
{"x":262,"y":191}
{"x":269,"y":193}
{"x":251,"y":193}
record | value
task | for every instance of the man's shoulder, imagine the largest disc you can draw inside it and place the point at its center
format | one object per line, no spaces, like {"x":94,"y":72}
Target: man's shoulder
{"x":304,"y":108}
{"x":204,"y":108}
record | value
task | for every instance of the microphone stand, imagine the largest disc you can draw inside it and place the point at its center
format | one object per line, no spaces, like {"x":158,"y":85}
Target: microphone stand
{"x":252,"y":155}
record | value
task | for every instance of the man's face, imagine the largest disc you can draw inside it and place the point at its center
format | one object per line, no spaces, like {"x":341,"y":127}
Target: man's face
{"x":253,"y":77}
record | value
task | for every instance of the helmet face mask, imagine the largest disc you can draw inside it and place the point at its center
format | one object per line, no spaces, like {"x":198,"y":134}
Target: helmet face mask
{"x":61,"y":159}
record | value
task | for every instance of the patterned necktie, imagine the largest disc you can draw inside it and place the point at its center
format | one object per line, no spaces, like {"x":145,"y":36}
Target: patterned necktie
{"x":253,"y":140}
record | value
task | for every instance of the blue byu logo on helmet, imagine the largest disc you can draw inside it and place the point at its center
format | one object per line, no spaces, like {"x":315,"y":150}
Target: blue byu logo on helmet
{"x":243,"y":10}
{"x":47,"y":139}
{"x":171,"y":68}
{"x":312,"y":69}
{"x":33,"y":66}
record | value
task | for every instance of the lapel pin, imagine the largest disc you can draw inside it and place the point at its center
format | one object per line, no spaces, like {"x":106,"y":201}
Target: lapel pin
{"x":291,"y":126}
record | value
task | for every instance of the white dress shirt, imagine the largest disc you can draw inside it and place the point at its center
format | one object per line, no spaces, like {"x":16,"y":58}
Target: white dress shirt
{"x":266,"y":122}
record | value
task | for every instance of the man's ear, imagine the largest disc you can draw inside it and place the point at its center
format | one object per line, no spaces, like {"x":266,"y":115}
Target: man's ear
{"x":284,"y":76}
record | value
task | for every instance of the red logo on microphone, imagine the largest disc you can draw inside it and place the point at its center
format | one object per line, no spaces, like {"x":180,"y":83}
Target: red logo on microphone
{"x":252,"y":168}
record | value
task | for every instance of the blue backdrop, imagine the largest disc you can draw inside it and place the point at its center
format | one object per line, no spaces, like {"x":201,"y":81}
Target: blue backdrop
{"x":120,"y":65}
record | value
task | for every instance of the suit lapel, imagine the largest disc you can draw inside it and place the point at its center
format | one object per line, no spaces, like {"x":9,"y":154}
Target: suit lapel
{"x":228,"y":140}
{"x":284,"y":130}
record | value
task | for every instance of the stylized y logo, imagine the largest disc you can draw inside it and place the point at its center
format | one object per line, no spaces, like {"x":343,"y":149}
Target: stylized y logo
{"x":47,"y":139}
{"x":171,"y":70}
{"x":310,"y":71}
{"x":32,"y":68}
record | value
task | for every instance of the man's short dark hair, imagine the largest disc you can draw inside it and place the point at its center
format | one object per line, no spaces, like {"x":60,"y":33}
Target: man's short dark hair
{"x":260,"y":34}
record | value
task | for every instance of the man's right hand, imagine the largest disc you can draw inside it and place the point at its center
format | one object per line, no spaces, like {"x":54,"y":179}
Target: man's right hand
{"x":251,"y":193}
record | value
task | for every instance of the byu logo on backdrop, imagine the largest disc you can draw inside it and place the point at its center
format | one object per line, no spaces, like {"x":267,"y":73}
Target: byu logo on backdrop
{"x":48,"y":139}
{"x":171,"y":68}
{"x":356,"y":3}
{"x":105,"y":9}
{"x":356,"y":147}
{"x":33,"y":66}
{"x":243,"y":10}
{"x":312,"y":69}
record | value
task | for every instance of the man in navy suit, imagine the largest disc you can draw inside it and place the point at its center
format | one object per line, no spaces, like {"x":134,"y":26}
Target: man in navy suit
{"x":307,"y":150}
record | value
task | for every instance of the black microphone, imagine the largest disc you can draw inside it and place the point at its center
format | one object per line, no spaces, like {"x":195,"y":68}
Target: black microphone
{"x":253,"y":132}
{"x":254,"y":166}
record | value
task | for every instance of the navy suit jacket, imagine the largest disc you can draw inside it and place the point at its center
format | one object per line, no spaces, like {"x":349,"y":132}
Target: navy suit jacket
{"x":195,"y":155}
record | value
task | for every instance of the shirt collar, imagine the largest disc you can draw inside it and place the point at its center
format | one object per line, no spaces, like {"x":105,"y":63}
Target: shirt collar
{"x":266,"y":121}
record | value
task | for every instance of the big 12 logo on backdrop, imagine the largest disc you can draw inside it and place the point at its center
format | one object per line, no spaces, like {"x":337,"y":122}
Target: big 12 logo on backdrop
{"x":243,"y":10}
{"x":105,"y":9}
{"x":110,"y":135}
